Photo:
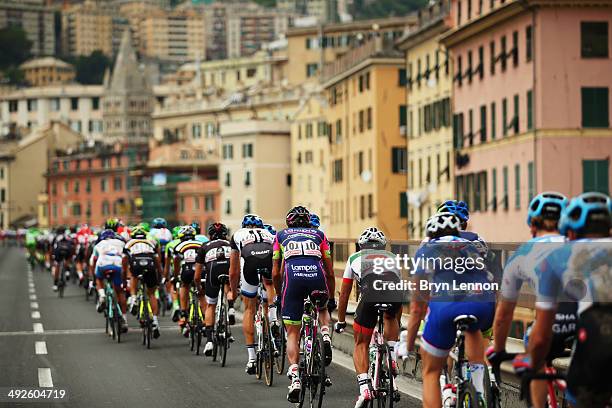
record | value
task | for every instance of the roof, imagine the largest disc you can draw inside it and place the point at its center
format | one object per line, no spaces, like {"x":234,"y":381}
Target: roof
{"x":359,"y":25}
{"x":45,"y":62}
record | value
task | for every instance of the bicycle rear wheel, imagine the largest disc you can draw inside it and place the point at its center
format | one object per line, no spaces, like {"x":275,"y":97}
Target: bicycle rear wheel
{"x":467,"y":396}
{"x":385,"y":393}
{"x":224,"y":326}
{"x":117,"y":321}
{"x":62,"y":281}
{"x":317,"y":379}
{"x":267,"y":351}
{"x":281,"y":342}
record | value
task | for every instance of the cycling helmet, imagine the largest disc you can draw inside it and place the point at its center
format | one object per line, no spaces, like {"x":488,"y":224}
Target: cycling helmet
{"x":270,"y":229}
{"x":159,"y":223}
{"x":145,"y":226}
{"x":196,"y":227}
{"x":442,"y":221}
{"x":111,"y":224}
{"x":547,"y":205}
{"x":315,"y":221}
{"x":252,"y":221}
{"x":298,"y":217}
{"x":217,"y":231}
{"x":458,"y":208}
{"x":175,"y":232}
{"x":186,"y":232}
{"x":139,"y":232}
{"x":584,"y":211}
{"x":107,"y":234}
{"x":372,"y":236}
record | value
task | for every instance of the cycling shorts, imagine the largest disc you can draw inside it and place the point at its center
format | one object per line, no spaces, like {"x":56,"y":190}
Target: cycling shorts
{"x":81,"y":255}
{"x":251,"y":270}
{"x":187,"y":273}
{"x":62,"y":254}
{"x":212,"y":282}
{"x":366,"y":315}
{"x":145,"y":266}
{"x":440,"y":332}
{"x":110,"y":272}
{"x":302,"y":277}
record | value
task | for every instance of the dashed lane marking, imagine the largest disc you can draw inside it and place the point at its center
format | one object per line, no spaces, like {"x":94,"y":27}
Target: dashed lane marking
{"x":40,"y":347}
{"x":44,"y":378}
{"x":38,"y":328}
{"x":35,"y":314}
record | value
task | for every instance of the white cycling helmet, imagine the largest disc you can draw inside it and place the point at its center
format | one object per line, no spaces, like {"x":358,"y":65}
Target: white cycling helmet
{"x":442,"y":221}
{"x":372,"y":235}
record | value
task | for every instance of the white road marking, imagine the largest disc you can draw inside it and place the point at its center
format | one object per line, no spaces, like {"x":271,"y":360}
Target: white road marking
{"x":32,"y":290}
{"x":34,"y":305}
{"x":31,"y":284}
{"x":38,"y":328}
{"x":35,"y":314}
{"x":41,"y":347}
{"x":44,"y":378}
{"x":32,"y":297}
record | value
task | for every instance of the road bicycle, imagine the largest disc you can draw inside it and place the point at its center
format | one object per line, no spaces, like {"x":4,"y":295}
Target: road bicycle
{"x":221,"y":330}
{"x":61,"y":283}
{"x":112,"y":313}
{"x":280,"y":344}
{"x":312,"y":352}
{"x":196,"y":319}
{"x":263,"y":335}
{"x":381,"y":365}
{"x":145,"y":313}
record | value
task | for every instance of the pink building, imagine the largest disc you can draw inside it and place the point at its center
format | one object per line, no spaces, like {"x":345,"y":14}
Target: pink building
{"x":198,"y":200}
{"x":531,"y":94}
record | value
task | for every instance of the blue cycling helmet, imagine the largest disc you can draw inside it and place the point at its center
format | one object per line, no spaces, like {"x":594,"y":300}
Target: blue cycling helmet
{"x":315,"y":221}
{"x":107,"y":234}
{"x":459,"y":208}
{"x":252,"y":221}
{"x":270,"y":229}
{"x":585,"y":210}
{"x":159,"y":223}
{"x":547,"y":205}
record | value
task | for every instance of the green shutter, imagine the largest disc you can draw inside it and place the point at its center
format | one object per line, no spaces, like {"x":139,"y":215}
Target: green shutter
{"x":595,"y":175}
{"x":529,"y":109}
{"x":595,"y":107}
{"x":517,"y":182}
{"x":504,"y":116}
{"x":493,"y":121}
{"x":403,"y":205}
{"x":531,"y":180}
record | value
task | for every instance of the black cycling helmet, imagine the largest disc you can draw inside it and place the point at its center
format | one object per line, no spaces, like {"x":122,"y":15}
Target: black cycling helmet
{"x":111,"y":224}
{"x":298,"y":216}
{"x":217,"y":230}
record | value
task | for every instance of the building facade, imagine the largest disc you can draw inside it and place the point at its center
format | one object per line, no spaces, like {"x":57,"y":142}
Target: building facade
{"x":87,"y":27}
{"x":36,"y":19}
{"x":247,"y":31}
{"x":198,"y":200}
{"x":367,"y":150}
{"x":531,"y":89}
{"x":47,"y":71}
{"x":427,"y":120}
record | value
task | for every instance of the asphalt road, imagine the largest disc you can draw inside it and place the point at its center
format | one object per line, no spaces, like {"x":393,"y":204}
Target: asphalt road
{"x":72,"y":352}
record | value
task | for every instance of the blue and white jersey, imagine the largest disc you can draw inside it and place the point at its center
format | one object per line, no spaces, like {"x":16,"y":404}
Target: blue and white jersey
{"x":521,"y":266}
{"x":579,"y":271}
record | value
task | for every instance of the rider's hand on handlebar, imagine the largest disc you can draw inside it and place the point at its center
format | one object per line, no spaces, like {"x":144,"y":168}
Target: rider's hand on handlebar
{"x":494,"y":357}
{"x":521,"y":364}
{"x":339,"y":327}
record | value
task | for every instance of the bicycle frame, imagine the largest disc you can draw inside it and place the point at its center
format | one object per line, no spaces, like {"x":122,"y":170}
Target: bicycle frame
{"x":309,"y":331}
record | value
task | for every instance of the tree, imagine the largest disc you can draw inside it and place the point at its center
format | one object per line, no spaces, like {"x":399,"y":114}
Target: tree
{"x":14,"y":46}
{"x":385,"y":8}
{"x":90,"y":69}
{"x":266,"y":3}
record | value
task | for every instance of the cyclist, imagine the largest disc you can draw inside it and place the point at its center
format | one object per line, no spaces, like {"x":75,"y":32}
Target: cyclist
{"x":168,"y":266}
{"x":270,"y":229}
{"x":62,"y":249}
{"x":251,"y":257}
{"x":444,"y":305}
{"x":30,"y":243}
{"x":307,"y":267}
{"x":578,"y":271}
{"x":160,"y":234}
{"x":199,"y":236}
{"x":143,"y":260}
{"x":123,"y":230}
{"x":184,"y":261}
{"x":107,"y":259}
{"x":542,"y":219}
{"x":360,"y":267}
{"x":315,"y":221}
{"x":214,"y":259}
{"x":82,"y":239}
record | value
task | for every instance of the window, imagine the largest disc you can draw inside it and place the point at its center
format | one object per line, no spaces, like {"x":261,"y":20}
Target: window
{"x":247,"y":150}
{"x":247,"y":206}
{"x":493,"y":121}
{"x":196,"y":131}
{"x":228,"y":179}
{"x":74,"y":103}
{"x":95,"y":103}
{"x":594,"y":39}
{"x":196,"y":203}
{"x":469,"y":55}
{"x":76,"y":209}
{"x":2,"y":195}
{"x":369,"y":118}
{"x":469,"y":9}
{"x":209,"y":202}
{"x":362,"y":207}
{"x":517,"y":186}
{"x":403,"y":204}
{"x":459,"y":76}
{"x":228,"y":151}
{"x":117,"y":184}
{"x":494,"y":188}
{"x":88,"y":186}
{"x":515,"y":54}
{"x":399,"y":160}
{"x":493,"y":57}
{"x":251,"y":72}
{"x":503,"y":54}
{"x":76,"y":186}
{"x":401,"y":81}
{"x":338,"y":131}
{"x":311,"y":69}
{"x":458,"y":130}
{"x":471,"y":126}
{"x":504,"y":116}
{"x":480,"y":67}
{"x":105,"y":208}
{"x":515,"y":120}
{"x":505,"y":184}
{"x":55,"y":104}
{"x":530,"y":181}
{"x":182,"y":204}
{"x":367,"y":80}
{"x":483,"y":123}
{"x":459,"y":12}
{"x":32,"y":105}
{"x":595,"y":107}
{"x":337,"y":171}
{"x":103,"y":184}
{"x":361,"y":121}
{"x":1,"y":173}
{"x":402,"y":117}
{"x":247,"y":178}
{"x":228,"y":207}
{"x":529,"y":109}
{"x":595,"y":175}
{"x":13,"y":106}
{"x":529,"y":43}
{"x":370,"y":205}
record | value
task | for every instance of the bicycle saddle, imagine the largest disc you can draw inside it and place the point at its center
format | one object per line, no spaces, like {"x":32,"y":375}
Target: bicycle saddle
{"x":464,"y":321}
{"x":382,"y":306}
{"x":224,"y":278}
{"x":319,"y":297}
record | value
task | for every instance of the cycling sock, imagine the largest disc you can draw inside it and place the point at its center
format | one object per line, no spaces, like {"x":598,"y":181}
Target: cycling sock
{"x":364,"y":380}
{"x":477,"y":371}
{"x":251,"y":351}
{"x":272,"y":313}
{"x":325,"y":330}
{"x":208,"y":332}
{"x":155,"y":321}
{"x":101,"y":293}
{"x":392,"y":345}
{"x":293,"y":371}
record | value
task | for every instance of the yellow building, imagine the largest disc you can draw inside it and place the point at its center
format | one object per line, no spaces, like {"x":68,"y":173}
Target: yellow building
{"x":310,"y":156}
{"x":87,"y":27}
{"x":430,"y":141}
{"x":47,"y":71}
{"x":367,"y":152}
{"x":311,"y":47}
